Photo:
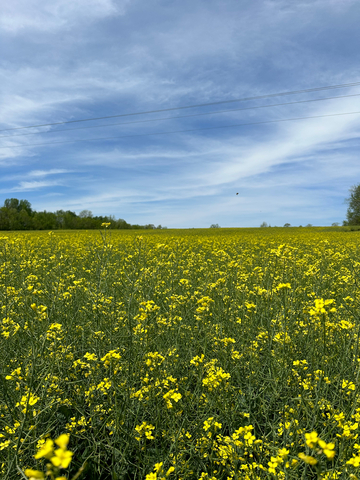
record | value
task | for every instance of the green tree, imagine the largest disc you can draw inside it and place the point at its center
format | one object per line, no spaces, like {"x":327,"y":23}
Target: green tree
{"x":18,"y":215}
{"x":71,"y":220}
{"x":25,"y":220}
{"x":85,"y":219}
{"x":12,"y":203}
{"x":44,"y":221}
{"x":353,"y":211}
{"x":86,"y":214}
{"x":4,"y":219}
{"x":14,"y":222}
{"x":25,"y":205}
{"x":122,"y":224}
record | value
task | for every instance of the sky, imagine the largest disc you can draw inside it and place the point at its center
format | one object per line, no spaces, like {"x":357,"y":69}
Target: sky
{"x":66,"y":61}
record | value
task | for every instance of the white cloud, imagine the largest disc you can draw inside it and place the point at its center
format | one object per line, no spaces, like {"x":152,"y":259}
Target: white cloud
{"x":26,"y":186}
{"x":287,"y":143}
{"x":19,"y":15}
{"x":44,"y":173}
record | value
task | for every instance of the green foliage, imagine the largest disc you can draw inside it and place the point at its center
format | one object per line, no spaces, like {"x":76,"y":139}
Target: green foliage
{"x":18,"y":215}
{"x":353,"y":211}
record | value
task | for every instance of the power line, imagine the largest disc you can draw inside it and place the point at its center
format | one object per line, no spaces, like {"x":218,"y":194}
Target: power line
{"x":317,"y":89}
{"x":181,"y":116}
{"x":181,"y":131}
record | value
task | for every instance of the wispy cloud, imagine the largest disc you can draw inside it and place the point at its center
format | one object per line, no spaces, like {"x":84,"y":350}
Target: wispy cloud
{"x":45,"y":173}
{"x":34,"y":174}
{"x":34,"y":185}
{"x":20,"y":15}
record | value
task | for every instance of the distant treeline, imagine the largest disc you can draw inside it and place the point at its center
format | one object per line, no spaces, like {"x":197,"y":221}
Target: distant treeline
{"x":18,"y":215}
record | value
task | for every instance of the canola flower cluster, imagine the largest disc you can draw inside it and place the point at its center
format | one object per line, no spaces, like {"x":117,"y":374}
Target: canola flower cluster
{"x":59,"y":458}
{"x":218,"y":355}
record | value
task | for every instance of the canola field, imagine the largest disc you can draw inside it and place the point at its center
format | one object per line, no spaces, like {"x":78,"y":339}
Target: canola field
{"x":201,"y":354}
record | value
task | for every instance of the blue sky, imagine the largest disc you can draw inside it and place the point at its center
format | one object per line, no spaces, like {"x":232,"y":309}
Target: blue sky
{"x":64,"y":61}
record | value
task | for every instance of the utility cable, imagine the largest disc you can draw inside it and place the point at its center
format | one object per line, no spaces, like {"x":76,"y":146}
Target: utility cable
{"x":180,"y":116}
{"x":317,"y":89}
{"x":181,"y":131}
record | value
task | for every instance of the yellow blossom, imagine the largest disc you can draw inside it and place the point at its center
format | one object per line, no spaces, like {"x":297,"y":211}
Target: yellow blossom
{"x":62,"y":458}
{"x":308,"y":459}
{"x":311,"y":439}
{"x":34,"y":474}
{"x":62,"y":441}
{"x":46,"y":450}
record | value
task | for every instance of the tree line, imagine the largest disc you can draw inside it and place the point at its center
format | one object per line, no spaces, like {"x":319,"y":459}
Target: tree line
{"x":353,"y":211}
{"x":18,"y":215}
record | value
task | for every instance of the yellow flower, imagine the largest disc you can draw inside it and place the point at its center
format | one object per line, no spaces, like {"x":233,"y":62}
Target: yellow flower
{"x":355,"y":461}
{"x":275,"y":461}
{"x":311,"y":439}
{"x":171,"y":395}
{"x":144,"y":429}
{"x":4,"y":444}
{"x":327,"y":448}
{"x":283,"y":452}
{"x":308,"y":459}
{"x":170,"y":470}
{"x":46,"y":450}
{"x":62,"y":458}
{"x":158,"y":466}
{"x":33,"y":474}
{"x":62,"y":441}
{"x":33,"y":400}
{"x":283,"y":285}
{"x":151,"y":476}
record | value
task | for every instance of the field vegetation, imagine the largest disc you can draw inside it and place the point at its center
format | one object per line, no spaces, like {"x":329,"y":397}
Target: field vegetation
{"x":203,"y":354}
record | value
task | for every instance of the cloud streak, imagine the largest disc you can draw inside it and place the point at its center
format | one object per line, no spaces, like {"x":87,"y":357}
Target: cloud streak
{"x":20,"y":15}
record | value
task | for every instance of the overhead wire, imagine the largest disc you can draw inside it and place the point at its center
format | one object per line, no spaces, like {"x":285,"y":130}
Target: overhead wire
{"x":258,"y":97}
{"x":181,"y":131}
{"x":181,"y":116}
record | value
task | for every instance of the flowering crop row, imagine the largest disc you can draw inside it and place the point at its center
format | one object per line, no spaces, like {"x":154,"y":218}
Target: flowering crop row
{"x":226,"y":354}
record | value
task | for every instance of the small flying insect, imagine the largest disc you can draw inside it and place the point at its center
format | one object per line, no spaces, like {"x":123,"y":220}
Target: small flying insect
{"x":237,"y":193}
